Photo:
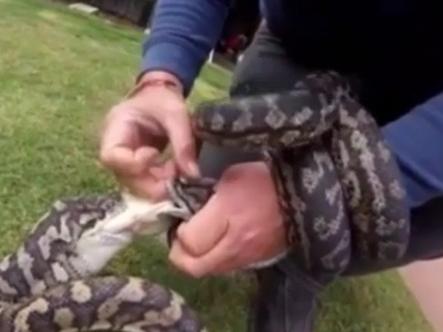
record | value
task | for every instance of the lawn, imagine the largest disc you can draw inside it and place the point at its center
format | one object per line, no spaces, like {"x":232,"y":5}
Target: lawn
{"x":59,"y":72}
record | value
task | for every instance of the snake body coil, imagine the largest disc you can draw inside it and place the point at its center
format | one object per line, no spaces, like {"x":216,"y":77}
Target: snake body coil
{"x":49,"y":283}
{"x":338,"y":182}
{"x":338,"y":186}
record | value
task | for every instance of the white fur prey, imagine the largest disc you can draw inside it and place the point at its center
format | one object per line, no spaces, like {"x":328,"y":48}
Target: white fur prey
{"x":140,"y":217}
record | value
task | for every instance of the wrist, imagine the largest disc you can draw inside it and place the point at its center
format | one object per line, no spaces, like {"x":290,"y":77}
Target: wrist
{"x":155,"y":80}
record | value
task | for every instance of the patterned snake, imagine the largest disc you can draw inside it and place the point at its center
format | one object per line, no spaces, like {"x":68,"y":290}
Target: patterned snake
{"x":339,"y":191}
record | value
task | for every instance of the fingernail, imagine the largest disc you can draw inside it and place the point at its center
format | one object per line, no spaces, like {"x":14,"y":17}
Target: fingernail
{"x":193,"y":169}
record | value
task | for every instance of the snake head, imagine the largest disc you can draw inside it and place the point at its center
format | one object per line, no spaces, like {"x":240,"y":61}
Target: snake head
{"x":188,"y":196}
{"x":136,"y":217}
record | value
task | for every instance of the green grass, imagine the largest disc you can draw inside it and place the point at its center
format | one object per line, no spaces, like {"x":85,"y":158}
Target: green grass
{"x":59,"y":72}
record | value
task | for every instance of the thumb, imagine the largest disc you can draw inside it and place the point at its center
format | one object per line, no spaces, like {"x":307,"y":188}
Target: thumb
{"x":182,"y":141}
{"x":204,"y":231}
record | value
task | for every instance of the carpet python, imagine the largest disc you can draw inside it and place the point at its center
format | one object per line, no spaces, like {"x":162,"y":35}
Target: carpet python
{"x":338,"y":186}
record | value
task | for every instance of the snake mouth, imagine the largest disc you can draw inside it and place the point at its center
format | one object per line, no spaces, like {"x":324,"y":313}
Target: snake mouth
{"x":188,"y":196}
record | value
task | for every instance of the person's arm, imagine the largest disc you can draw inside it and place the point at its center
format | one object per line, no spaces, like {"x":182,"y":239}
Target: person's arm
{"x":417,"y":141}
{"x":183,"y":32}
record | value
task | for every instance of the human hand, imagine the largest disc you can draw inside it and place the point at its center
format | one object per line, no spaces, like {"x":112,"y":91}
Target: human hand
{"x":240,"y":225}
{"x":139,"y":128}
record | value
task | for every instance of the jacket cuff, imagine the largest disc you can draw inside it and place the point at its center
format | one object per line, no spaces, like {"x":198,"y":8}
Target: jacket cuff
{"x":173,"y":59}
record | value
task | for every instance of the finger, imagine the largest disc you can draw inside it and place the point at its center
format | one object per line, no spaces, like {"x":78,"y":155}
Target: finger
{"x":219,"y":260}
{"x":182,"y":141}
{"x":128,"y":162}
{"x":120,"y":150}
{"x":152,"y":183}
{"x":146,"y":186}
{"x":166,"y":171}
{"x":117,"y":131}
{"x":204,"y":231}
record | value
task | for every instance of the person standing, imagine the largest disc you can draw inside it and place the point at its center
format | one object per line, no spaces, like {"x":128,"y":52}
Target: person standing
{"x":389,"y":46}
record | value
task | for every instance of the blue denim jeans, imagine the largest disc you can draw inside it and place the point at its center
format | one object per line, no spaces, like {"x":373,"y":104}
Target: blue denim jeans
{"x":286,"y":296}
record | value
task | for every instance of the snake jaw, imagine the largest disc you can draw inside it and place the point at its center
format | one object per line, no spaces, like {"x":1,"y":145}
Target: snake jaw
{"x":137,"y":217}
{"x":96,"y":248}
{"x":140,"y":217}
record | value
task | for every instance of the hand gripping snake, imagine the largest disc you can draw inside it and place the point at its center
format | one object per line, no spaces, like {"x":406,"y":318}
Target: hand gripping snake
{"x":339,"y":189}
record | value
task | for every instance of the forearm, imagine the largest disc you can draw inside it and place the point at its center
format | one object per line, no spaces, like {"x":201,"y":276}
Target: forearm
{"x":183,"y":32}
{"x":417,"y":142}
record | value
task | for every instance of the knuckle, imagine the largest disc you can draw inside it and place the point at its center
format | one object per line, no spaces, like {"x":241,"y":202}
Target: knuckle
{"x":175,"y":104}
{"x":174,"y":110}
{"x":180,"y":263}
{"x":193,"y":250}
{"x":182,"y":234}
{"x":232,"y":250}
{"x":187,"y":242}
{"x":247,"y":239}
{"x":184,"y":150}
{"x":187,"y":267}
{"x":195,"y":272}
{"x":176,"y":260}
{"x":176,"y":124}
{"x":115,"y":110}
{"x":106,"y":158}
{"x":232,"y":255}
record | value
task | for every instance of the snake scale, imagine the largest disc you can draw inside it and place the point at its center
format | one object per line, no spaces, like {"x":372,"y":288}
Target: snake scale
{"x":339,"y":191}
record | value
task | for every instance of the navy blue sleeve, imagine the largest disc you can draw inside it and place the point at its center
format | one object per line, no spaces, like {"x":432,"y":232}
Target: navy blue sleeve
{"x":417,"y":141}
{"x":183,"y":32}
